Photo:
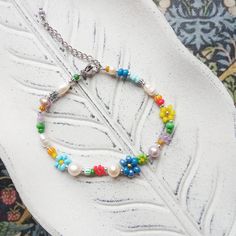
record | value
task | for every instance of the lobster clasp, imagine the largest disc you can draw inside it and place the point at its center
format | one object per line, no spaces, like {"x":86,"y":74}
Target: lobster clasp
{"x":89,"y":71}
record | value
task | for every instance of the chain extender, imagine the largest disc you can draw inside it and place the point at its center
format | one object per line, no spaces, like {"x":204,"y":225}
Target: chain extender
{"x":73,"y":51}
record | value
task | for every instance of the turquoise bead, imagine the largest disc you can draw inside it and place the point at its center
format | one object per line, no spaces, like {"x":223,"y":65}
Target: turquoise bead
{"x":134,"y":78}
{"x":120,"y":72}
{"x":125,"y":73}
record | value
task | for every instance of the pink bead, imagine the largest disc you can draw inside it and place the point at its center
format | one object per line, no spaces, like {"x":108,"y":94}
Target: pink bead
{"x":160,"y":102}
{"x":40,"y":117}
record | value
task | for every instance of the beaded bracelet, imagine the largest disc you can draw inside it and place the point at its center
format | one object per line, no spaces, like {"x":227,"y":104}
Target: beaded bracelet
{"x":130,"y":165}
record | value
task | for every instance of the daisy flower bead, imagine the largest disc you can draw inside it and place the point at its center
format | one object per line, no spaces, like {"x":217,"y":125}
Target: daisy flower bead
{"x":167,"y":113}
{"x":129,"y":166}
{"x":62,"y":162}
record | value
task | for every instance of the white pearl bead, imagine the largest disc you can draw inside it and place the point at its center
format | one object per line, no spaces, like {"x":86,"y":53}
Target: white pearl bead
{"x":114,"y":170}
{"x":154,"y":151}
{"x":149,"y":90}
{"x":112,"y":71}
{"x":44,"y":101}
{"x":63,"y":89}
{"x":44,"y":140}
{"x":74,"y":169}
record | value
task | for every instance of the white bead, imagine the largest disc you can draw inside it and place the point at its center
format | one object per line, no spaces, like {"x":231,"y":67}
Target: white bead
{"x":149,"y":90}
{"x":74,"y":169}
{"x":44,"y":140}
{"x":63,"y":89}
{"x":44,"y":101}
{"x":154,"y":151}
{"x":114,"y":170}
{"x":112,"y":71}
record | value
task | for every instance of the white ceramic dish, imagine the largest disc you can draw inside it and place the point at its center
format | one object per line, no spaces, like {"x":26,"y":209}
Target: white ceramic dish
{"x":192,"y":189}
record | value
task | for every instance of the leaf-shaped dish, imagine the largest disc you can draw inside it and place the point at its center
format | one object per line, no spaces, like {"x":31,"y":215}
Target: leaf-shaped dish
{"x":190,"y":192}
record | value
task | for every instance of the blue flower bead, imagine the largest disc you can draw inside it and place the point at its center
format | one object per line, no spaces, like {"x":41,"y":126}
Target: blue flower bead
{"x":129,"y":166}
{"x":62,"y":162}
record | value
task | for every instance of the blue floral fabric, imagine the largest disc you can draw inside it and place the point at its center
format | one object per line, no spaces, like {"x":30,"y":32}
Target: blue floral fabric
{"x":207,"y":28}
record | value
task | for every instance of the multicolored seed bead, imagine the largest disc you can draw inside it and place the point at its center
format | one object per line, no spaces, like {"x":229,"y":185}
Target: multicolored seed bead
{"x":89,"y":171}
{"x":159,"y":100}
{"x":120,"y":72}
{"x":76,"y":77}
{"x":52,"y":152}
{"x":41,"y":127}
{"x":134,"y":78}
{"x":110,"y":70}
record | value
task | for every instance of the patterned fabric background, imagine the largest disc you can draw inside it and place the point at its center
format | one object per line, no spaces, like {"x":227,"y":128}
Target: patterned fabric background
{"x":207,"y":28}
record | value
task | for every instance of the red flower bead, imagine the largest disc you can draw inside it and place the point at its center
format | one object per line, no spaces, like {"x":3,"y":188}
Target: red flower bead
{"x":160,"y":102}
{"x":99,"y":170}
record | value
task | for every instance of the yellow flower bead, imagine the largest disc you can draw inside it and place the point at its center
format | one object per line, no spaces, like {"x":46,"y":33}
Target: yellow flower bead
{"x":162,"y":114}
{"x":171,"y":117}
{"x":165,"y":119}
{"x":167,"y":113}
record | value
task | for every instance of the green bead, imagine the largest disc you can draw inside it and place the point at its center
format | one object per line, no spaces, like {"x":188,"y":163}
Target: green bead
{"x":41,"y":130}
{"x":88,"y":171}
{"x":170,"y":125}
{"x":92,"y":172}
{"x":142,"y":159}
{"x":40,"y":125}
{"x":76,"y":77}
{"x":169,"y":131}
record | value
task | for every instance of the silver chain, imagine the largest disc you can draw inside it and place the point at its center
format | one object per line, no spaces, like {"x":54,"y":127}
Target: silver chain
{"x":57,"y":36}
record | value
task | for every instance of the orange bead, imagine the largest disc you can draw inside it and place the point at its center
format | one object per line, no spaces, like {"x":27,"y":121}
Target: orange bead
{"x":157,"y":97}
{"x":42,"y":108}
{"x":160,"y":141}
{"x":52,"y":152}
